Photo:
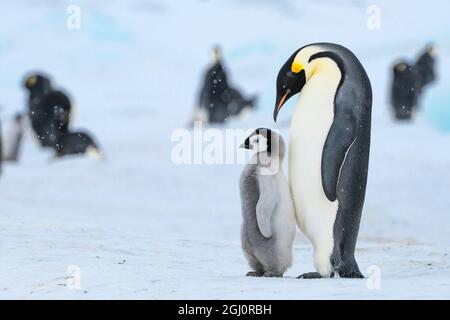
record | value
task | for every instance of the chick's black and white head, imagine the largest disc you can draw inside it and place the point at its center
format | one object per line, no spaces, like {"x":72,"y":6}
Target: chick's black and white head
{"x":265,"y":140}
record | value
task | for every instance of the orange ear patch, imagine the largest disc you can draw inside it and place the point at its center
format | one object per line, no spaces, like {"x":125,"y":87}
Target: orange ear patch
{"x":296,"y":67}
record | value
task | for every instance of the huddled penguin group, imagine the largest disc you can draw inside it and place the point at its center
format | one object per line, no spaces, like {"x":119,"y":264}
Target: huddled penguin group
{"x":218,"y":101}
{"x":50,"y":114}
{"x":328,"y":165}
{"x":409,"y":81}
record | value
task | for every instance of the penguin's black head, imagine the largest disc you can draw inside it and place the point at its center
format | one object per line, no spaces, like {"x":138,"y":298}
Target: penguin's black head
{"x":37,"y":83}
{"x":290,"y":81}
{"x":400,"y":67}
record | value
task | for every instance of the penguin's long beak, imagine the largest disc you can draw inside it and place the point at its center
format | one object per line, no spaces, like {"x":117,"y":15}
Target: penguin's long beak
{"x":279,"y":104}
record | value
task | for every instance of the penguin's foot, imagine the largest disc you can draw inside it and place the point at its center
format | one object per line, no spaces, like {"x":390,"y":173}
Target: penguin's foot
{"x":310,"y":275}
{"x":269,"y":274}
{"x":350,"y":269}
{"x":313,"y":275}
{"x":353,"y":274}
{"x":254,"y":274}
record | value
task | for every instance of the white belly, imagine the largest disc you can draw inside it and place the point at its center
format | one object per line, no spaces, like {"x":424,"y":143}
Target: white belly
{"x":310,"y":125}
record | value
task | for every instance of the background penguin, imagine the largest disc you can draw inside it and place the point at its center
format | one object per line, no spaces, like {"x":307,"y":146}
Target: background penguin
{"x":214,"y":89}
{"x":13,"y":139}
{"x":237,"y":103}
{"x":73,"y":143}
{"x":268,"y":228}
{"x":328,"y":150}
{"x":49,"y":109}
{"x":425,"y":67}
{"x":404,"y":91}
{"x":217,"y":99}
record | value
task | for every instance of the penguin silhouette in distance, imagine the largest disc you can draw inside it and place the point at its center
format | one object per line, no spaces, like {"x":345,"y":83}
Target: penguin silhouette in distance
{"x":49,"y":109}
{"x":218,"y":101}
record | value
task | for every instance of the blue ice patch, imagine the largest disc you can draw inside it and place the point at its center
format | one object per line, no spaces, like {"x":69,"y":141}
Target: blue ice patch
{"x":103,"y":27}
{"x":5,"y":44}
{"x":250,"y":49}
{"x":437,"y":108}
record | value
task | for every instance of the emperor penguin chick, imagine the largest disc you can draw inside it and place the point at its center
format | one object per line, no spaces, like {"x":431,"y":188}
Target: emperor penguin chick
{"x":268,"y":228}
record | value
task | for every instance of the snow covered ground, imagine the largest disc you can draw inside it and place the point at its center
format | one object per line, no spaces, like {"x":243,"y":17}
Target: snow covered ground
{"x":138,"y":226}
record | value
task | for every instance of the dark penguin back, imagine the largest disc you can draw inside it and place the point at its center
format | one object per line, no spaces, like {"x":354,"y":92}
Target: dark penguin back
{"x":49,"y":112}
{"x":425,"y":69}
{"x":237,"y":102}
{"x":214,"y":93}
{"x":74,"y":143}
{"x":404,"y":91}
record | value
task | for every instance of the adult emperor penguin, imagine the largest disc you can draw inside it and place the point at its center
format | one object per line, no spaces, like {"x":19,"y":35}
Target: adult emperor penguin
{"x":328,"y":151}
{"x":218,"y":100}
{"x":405,"y":90}
{"x":49,"y":109}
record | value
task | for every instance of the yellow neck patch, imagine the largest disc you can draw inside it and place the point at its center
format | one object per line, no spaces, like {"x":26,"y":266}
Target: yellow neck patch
{"x":296,"y":67}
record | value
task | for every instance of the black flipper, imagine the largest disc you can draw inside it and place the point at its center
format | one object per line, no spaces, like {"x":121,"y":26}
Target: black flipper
{"x":339,"y":139}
